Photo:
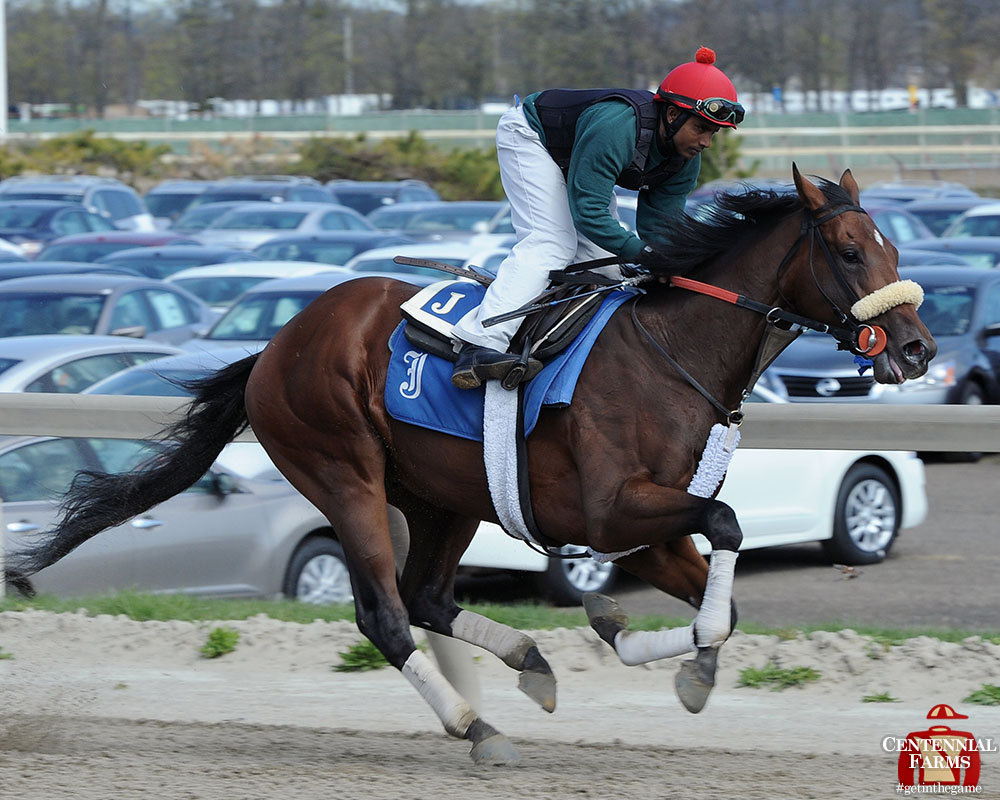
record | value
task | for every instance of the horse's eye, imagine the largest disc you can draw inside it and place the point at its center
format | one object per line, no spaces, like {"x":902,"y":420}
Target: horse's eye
{"x":850,"y":256}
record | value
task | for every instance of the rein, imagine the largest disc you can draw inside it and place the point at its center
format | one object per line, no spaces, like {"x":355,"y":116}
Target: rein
{"x":860,"y":338}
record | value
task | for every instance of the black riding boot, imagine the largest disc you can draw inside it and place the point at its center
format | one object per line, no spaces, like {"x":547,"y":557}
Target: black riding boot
{"x":476,"y":364}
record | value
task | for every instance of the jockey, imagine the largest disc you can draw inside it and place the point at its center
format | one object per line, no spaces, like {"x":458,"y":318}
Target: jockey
{"x":561,"y":153}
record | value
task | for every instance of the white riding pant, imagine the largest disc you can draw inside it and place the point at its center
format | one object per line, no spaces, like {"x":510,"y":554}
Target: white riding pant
{"x":547,"y":239}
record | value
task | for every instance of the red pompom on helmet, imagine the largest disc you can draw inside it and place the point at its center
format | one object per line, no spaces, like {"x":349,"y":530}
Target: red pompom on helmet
{"x":701,"y":86}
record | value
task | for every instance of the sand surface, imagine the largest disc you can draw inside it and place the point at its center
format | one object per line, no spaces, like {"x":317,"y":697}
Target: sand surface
{"x":107,"y":708}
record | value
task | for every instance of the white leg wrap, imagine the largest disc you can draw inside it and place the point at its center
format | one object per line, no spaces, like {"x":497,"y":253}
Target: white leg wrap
{"x":507,"y":644}
{"x":456,"y":714}
{"x":712,"y":623}
{"x":641,"y":647}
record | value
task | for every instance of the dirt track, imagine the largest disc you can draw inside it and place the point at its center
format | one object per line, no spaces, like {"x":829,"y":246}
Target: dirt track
{"x":107,"y":708}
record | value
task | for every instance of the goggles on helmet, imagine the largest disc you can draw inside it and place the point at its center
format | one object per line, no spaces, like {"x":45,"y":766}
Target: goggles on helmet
{"x":719,"y":109}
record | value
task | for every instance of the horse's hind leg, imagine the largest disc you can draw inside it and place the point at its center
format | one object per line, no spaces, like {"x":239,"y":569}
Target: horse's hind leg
{"x":437,"y":540}
{"x":357,"y":510}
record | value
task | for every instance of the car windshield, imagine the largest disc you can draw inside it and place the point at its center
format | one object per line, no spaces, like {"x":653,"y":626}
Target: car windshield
{"x":277,"y":220}
{"x":197,"y":219}
{"x":149,"y":383}
{"x":161,"y":267}
{"x":388,"y":265}
{"x":947,"y":310}
{"x":260,"y":317}
{"x":89,"y":251}
{"x":20,"y":217}
{"x":336,"y":253}
{"x":66,"y":198}
{"x":168,"y":205}
{"x":364,"y":202}
{"x":220,"y":291}
{"x":242,"y":195}
{"x":446,"y":219}
{"x":23,"y":314}
{"x":984,"y":225}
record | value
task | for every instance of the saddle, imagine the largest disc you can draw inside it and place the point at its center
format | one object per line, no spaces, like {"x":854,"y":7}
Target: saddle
{"x":551,"y":321}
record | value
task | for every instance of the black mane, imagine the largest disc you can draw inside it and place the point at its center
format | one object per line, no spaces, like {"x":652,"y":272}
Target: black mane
{"x":732,"y":218}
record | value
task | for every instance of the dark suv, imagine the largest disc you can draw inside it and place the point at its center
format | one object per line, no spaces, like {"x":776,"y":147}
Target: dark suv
{"x":272,"y":188}
{"x":366,"y":196}
{"x":117,"y":202}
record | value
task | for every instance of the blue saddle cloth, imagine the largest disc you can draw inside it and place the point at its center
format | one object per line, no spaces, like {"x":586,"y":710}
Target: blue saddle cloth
{"x":418,"y":386}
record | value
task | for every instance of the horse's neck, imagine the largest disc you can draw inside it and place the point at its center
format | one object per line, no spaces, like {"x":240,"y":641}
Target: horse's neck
{"x":716,"y":341}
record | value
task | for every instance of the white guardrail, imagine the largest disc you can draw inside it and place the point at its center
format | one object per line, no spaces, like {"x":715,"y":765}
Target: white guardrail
{"x":830,"y":426}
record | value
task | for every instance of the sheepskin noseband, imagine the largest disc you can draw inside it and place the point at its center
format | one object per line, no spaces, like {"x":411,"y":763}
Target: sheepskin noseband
{"x":881,"y":300}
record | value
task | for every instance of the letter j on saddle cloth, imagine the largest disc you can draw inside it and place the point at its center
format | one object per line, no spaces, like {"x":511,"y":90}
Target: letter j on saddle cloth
{"x":418,"y":387}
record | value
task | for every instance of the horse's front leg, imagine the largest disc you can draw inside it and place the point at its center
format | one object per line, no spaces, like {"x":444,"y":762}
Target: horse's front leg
{"x":676,"y":568}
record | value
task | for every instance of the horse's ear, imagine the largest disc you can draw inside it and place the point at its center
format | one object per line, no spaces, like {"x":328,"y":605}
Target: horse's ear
{"x":809,"y":193}
{"x":849,"y":185}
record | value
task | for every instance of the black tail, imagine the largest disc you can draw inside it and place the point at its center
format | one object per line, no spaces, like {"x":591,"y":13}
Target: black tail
{"x":97,"y":501}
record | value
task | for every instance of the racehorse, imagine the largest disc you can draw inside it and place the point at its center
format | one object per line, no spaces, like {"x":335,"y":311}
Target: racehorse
{"x":609,"y":471}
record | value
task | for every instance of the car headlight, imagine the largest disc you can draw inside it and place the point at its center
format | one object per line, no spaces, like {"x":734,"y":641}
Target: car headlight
{"x":940,"y":374}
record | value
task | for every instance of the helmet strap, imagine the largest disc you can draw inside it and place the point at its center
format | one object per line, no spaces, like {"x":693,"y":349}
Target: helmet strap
{"x":670,"y":128}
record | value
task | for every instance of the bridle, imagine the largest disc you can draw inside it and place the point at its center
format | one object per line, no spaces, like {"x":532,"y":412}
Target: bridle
{"x":852,"y":331}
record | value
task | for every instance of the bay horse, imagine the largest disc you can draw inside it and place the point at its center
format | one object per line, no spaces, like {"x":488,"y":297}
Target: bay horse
{"x":610,"y":471}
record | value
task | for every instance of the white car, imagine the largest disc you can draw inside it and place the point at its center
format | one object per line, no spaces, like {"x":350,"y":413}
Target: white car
{"x":457,"y":254}
{"x":251,"y":224}
{"x":220,"y":284}
{"x":62,"y":363}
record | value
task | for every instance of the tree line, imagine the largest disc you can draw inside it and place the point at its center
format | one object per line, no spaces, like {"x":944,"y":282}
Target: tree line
{"x":91,"y":54}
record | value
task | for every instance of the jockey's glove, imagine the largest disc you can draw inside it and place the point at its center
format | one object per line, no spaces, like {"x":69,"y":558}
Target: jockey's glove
{"x":656,"y":262}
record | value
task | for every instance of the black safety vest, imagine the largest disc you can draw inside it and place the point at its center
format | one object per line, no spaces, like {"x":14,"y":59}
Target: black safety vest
{"x":559,"y":109}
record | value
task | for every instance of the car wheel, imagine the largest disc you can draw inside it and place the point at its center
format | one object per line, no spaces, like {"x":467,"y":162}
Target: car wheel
{"x":567,"y":579}
{"x":317,"y":573}
{"x":971,"y":395}
{"x":866,"y":517}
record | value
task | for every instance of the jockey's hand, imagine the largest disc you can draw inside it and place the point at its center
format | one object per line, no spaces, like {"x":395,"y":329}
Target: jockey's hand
{"x":656,"y":262}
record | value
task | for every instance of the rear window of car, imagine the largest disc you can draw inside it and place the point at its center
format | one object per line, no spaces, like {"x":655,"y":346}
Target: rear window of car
{"x":24,"y":313}
{"x":263,"y":220}
{"x":260,"y":317}
{"x":20,"y":217}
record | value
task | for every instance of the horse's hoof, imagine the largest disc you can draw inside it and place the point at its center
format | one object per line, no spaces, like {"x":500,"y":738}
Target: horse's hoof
{"x":495,"y":751}
{"x":696,"y":679}
{"x":606,"y":617}
{"x":540,"y":687}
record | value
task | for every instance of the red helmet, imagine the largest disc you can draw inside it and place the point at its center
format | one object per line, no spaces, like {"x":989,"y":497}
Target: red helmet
{"x":704,"y":88}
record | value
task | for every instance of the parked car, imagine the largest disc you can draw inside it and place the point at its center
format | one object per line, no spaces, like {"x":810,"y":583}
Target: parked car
{"x":457,"y":254}
{"x":961,"y":309}
{"x":118,"y":305}
{"x":169,"y":199}
{"x":30,"y":224}
{"x":91,"y":246}
{"x":226,"y":536}
{"x":267,"y":188}
{"x":332,"y":247}
{"x":457,"y":220}
{"x":27,"y":269}
{"x":110,"y":198}
{"x":907,"y":190}
{"x":252,"y":224}
{"x":263,"y":309}
{"x":68,"y":364}
{"x":198,"y":218}
{"x":897,"y":222}
{"x":980,"y":220}
{"x":161,"y":262}
{"x":939,"y":214}
{"x":980,"y":251}
{"x":368,"y":196}
{"x":392,"y":218}
{"x":220,"y":285}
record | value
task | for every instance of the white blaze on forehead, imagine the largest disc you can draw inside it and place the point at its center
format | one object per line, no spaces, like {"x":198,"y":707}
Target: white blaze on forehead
{"x":878,"y":238}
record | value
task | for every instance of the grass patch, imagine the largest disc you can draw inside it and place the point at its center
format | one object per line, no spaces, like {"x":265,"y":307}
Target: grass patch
{"x":776,"y":677}
{"x":220,"y":641}
{"x":985,"y":695}
{"x":523,"y":616}
{"x":5,"y":656}
{"x":881,"y":697}
{"x":360,"y":657}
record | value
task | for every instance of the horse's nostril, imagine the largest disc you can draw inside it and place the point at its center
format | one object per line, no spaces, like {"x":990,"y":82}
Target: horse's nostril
{"x":915,"y":352}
